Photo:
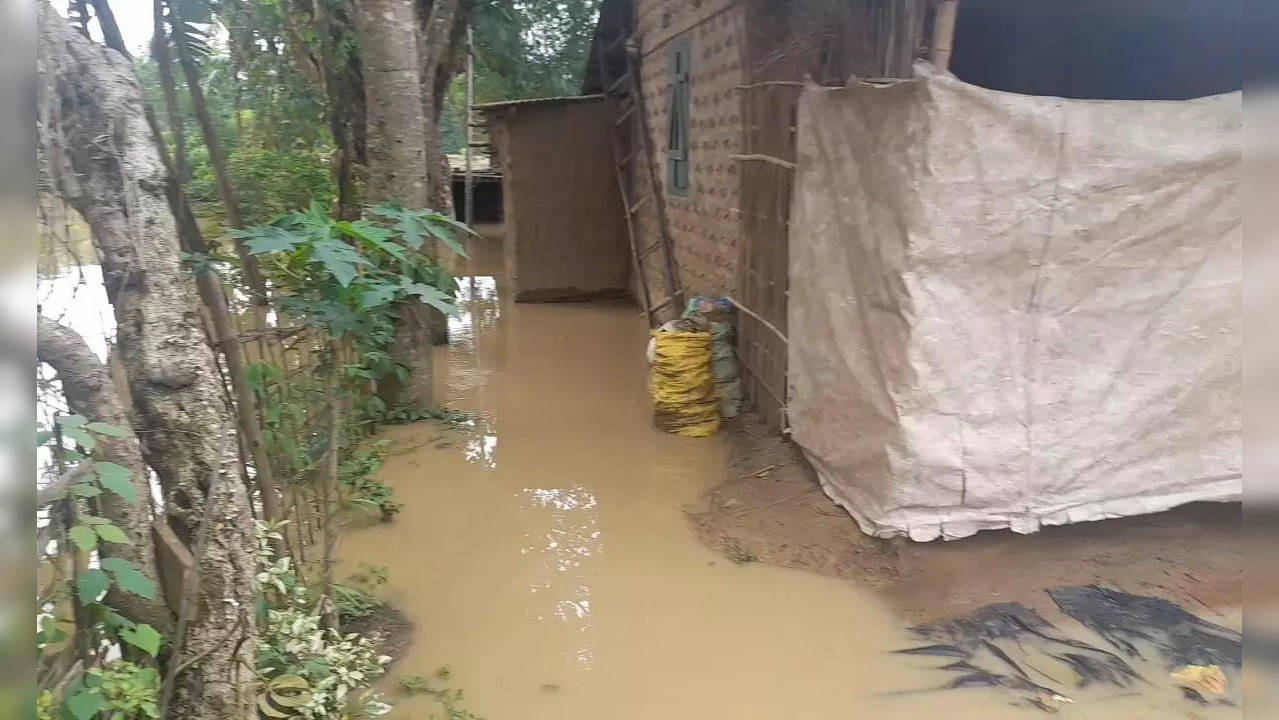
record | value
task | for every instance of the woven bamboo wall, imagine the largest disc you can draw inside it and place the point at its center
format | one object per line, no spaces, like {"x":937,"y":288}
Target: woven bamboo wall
{"x":768,"y":111}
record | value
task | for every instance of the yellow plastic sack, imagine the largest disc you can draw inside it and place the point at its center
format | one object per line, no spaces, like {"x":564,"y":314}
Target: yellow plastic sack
{"x":683,"y":389}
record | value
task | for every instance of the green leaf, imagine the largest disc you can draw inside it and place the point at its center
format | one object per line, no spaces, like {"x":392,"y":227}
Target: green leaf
{"x":338,"y":258}
{"x":389,"y":209}
{"x":365,"y":230}
{"x":86,"y":704}
{"x":144,"y":637}
{"x":49,"y":632}
{"x":85,"y":490}
{"x":445,"y":219}
{"x":253,"y":375}
{"x":408,"y":229}
{"x":82,"y":438}
{"x":380,"y":238}
{"x":130,"y":580}
{"x":112,"y":534}
{"x":102,"y":428}
{"x":91,"y":584}
{"x":434,"y":297}
{"x":115,"y":620}
{"x":379,"y":294}
{"x":84,"y":537}
{"x":94,"y":520}
{"x":72,"y":421}
{"x":448,"y":236}
{"x":115,"y":564}
{"x":50,"y":637}
{"x":116,"y":479}
{"x":318,"y":216}
{"x":268,"y":238}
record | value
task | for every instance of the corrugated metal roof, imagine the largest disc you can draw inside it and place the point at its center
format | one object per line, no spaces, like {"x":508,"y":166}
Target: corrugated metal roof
{"x":535,"y":101}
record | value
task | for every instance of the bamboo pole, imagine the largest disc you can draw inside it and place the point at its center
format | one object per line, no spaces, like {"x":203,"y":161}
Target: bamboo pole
{"x":329,"y":482}
{"x":759,"y":319}
{"x":765,"y":158}
{"x":944,"y":32}
{"x":468,"y":195}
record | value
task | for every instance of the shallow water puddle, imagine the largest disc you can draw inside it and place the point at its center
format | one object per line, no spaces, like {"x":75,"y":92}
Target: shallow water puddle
{"x":542,"y":554}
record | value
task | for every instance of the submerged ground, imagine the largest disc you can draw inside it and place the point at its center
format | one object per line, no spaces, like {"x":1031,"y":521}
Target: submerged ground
{"x":566,"y":560}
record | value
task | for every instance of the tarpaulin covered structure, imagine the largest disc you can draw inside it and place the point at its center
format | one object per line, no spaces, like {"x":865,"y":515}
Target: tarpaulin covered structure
{"x":1014,"y":311}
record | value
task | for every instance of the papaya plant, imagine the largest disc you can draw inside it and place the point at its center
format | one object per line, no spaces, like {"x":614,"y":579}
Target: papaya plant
{"x":348,"y":276}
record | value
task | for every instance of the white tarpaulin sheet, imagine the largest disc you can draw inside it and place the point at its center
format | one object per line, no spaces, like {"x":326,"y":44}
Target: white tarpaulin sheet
{"x":1014,"y":311}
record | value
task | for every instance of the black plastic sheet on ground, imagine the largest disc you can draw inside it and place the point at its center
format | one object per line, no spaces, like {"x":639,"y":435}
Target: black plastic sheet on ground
{"x":1011,"y":647}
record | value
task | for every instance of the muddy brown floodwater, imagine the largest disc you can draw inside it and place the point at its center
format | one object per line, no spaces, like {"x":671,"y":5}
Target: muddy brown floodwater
{"x":542,"y":554}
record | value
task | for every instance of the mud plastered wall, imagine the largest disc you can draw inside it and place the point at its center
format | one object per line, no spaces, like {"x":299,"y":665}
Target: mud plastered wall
{"x":704,"y":224}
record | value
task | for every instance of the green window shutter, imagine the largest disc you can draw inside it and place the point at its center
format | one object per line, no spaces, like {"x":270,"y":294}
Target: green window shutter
{"x":677,"y":90}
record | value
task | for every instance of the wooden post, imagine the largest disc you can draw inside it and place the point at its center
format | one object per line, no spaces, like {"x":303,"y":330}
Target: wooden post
{"x":944,"y":32}
{"x":329,"y":481}
{"x":468,"y":195}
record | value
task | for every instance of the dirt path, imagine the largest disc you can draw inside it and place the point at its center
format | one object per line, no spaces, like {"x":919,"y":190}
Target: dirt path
{"x":774,"y":509}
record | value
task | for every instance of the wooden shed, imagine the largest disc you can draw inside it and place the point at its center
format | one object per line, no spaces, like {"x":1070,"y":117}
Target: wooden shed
{"x":565,"y":228}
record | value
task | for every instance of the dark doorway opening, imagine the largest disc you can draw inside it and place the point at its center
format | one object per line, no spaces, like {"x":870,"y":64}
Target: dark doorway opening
{"x":488,"y":197}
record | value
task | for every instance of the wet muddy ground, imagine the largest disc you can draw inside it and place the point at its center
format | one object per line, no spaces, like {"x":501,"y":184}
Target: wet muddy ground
{"x":773,"y":506}
{"x":545,"y":555}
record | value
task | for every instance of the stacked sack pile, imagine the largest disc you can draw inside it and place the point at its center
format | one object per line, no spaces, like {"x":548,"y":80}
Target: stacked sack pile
{"x":694,"y":375}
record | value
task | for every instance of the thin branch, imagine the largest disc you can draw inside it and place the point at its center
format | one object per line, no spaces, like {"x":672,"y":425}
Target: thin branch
{"x":761,"y":320}
{"x":110,"y":31}
{"x":239,"y":618}
{"x":57,"y":488}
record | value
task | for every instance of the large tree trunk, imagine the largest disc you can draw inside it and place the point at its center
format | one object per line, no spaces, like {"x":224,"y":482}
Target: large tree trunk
{"x":393,"y":103}
{"x":435,"y":45}
{"x":96,"y":143}
{"x":89,"y":391}
{"x":396,"y":142}
{"x":339,"y":104}
{"x":435,"y":32}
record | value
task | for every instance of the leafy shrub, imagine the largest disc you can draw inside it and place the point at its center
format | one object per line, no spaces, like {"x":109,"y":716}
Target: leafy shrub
{"x":267,"y":182}
{"x":356,"y":600}
{"x":121,"y":690}
{"x":304,"y":669}
{"x":358,"y":478}
{"x":130,"y":692}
